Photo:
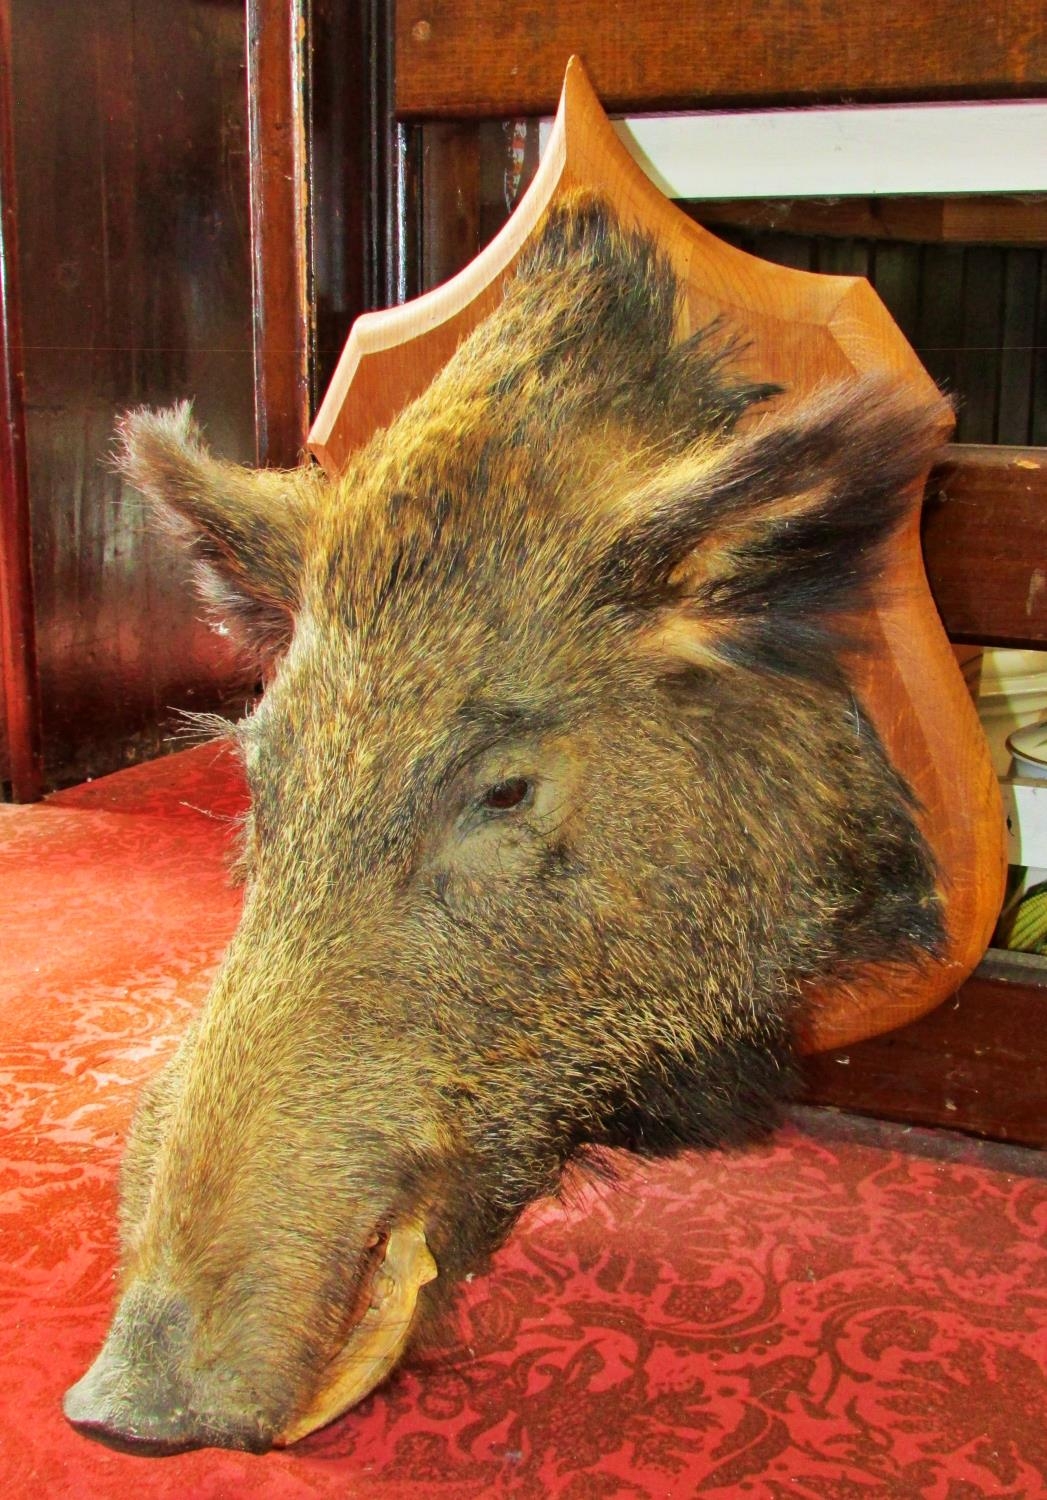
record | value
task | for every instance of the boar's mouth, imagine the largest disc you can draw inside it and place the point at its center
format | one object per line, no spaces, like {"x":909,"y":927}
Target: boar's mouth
{"x":399,"y":1264}
{"x":161,"y":1407}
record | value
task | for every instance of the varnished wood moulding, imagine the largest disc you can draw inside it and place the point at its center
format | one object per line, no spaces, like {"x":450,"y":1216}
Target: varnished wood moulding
{"x":456,"y":58}
{"x":801,"y":330}
{"x":20,"y":724}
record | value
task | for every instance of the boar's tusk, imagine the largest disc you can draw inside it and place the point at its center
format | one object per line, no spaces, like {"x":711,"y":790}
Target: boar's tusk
{"x":378,"y":1340}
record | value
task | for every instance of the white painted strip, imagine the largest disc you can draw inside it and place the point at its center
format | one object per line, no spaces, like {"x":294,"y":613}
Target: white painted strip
{"x":1025,"y":807}
{"x":843,"y":152}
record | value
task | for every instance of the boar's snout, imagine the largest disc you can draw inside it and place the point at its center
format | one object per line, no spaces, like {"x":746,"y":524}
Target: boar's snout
{"x":137,"y":1398}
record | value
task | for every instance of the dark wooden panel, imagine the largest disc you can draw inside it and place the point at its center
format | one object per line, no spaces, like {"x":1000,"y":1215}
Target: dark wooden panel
{"x":977,"y":1063}
{"x":450,"y":200}
{"x":469,"y":57}
{"x":364,"y":171}
{"x":985,"y":545}
{"x":397,"y":174}
{"x":20,"y":759}
{"x":1039,"y":418}
{"x":1018,"y":345}
{"x":276,"y":41}
{"x":342,"y":144}
{"x":971,"y":312}
{"x":842,"y":257}
{"x":938,"y":335}
{"x":131,"y":162}
{"x":472,"y":177}
{"x":979,"y":378}
{"x":895,"y":273}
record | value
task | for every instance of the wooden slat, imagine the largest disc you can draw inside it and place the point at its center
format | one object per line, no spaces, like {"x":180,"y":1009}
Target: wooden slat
{"x":459,"y":58}
{"x":276,"y":31}
{"x":985,"y":544}
{"x":977,"y":1063}
{"x":962,"y":221}
{"x":19,"y":710}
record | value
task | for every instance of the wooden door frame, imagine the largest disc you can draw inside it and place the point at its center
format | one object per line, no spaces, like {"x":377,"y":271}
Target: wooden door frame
{"x":291,"y":209}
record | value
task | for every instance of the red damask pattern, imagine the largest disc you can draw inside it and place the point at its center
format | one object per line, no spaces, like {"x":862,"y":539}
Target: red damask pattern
{"x":853,"y":1310}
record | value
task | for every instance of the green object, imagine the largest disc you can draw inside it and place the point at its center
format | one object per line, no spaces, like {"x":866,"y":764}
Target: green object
{"x":1024,"y":930}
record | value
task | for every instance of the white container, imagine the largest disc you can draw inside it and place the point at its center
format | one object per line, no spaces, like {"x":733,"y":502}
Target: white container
{"x":1028,"y":749}
{"x":1011,"y":694}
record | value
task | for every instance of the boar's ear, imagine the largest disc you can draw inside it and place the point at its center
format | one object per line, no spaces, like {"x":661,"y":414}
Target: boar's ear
{"x":745,"y":550}
{"x":243,"y":527}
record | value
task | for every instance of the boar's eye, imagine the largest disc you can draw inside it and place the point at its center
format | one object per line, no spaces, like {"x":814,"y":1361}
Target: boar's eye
{"x":508,"y":794}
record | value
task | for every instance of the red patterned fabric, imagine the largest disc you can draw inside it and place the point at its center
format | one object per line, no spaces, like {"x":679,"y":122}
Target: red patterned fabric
{"x":854,"y":1310}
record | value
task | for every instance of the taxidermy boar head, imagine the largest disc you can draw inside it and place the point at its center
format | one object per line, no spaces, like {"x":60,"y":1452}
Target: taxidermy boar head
{"x":561,"y":804}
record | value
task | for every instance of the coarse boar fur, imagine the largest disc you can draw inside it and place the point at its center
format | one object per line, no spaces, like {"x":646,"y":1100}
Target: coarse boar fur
{"x":561,"y":804}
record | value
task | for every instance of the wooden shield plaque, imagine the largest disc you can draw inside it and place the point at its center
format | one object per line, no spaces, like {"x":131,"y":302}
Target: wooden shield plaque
{"x":801,"y":331}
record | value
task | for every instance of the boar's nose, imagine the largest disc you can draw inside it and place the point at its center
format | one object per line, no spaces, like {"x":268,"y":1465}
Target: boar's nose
{"x":135,"y":1398}
{"x":152,"y":1426}
{"x":152,"y":1434}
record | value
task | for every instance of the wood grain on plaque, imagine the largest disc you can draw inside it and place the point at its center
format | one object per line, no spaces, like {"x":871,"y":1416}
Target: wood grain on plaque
{"x":467,"y":57}
{"x":801,"y":330}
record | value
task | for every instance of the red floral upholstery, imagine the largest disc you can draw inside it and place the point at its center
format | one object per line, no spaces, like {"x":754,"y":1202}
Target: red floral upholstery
{"x":854,"y":1310}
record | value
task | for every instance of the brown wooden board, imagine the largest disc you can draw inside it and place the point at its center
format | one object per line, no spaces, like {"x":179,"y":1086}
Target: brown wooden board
{"x":985,"y":545}
{"x":457,"y":58}
{"x":977,"y":1063}
{"x":979,"y":219}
